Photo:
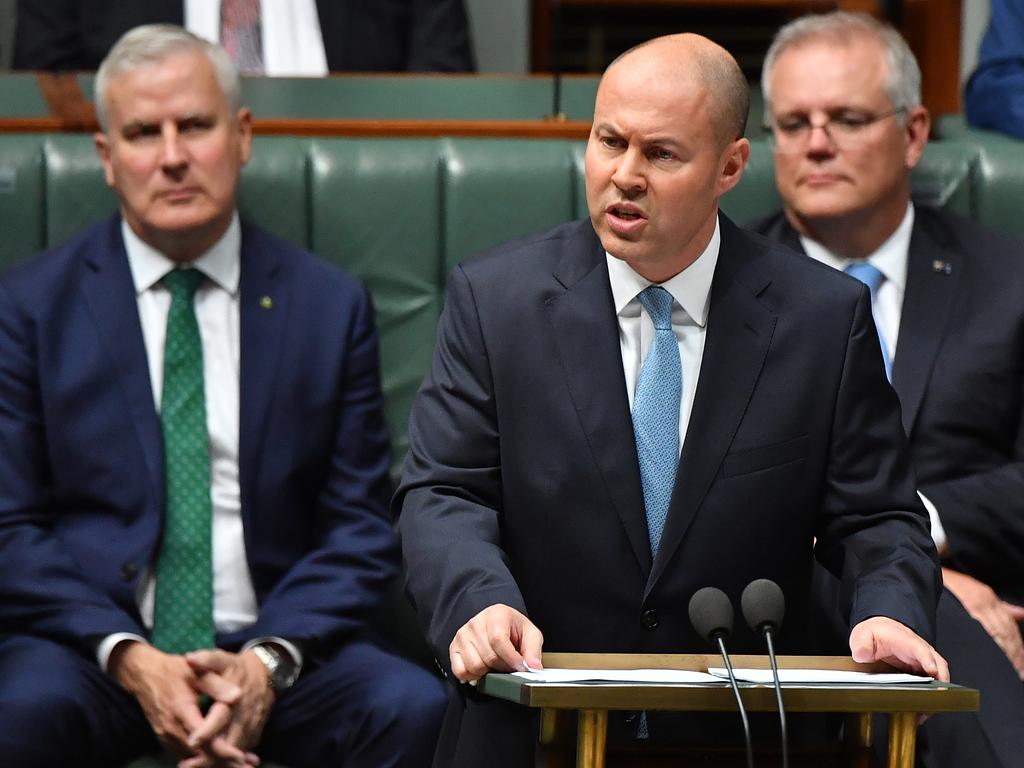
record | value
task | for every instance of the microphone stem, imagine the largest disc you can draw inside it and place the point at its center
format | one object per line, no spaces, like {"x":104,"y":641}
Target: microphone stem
{"x":739,"y":702}
{"x":778,"y":697}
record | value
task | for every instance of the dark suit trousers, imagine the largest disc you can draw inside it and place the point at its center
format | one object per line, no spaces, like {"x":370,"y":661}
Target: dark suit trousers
{"x":364,"y":707}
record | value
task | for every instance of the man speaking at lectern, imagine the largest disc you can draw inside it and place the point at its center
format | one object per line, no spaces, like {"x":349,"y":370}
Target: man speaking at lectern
{"x":624,"y":410}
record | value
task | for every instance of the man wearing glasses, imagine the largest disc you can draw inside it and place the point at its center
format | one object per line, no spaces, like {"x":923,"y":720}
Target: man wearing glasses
{"x":846,"y":125}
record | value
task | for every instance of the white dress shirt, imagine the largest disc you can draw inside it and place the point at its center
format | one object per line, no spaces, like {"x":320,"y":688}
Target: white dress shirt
{"x":691,"y":291}
{"x":290,"y":31}
{"x":891,"y":260}
{"x":217,"y":314}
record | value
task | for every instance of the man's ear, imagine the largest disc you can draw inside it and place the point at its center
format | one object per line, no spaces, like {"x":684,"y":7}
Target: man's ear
{"x":733,"y":161}
{"x":102,"y":143}
{"x":918,"y":126}
{"x":243,"y":124}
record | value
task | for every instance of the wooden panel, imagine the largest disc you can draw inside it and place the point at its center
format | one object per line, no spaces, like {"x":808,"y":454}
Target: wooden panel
{"x":933,"y":30}
{"x":931,"y":27}
{"x":545,"y":21}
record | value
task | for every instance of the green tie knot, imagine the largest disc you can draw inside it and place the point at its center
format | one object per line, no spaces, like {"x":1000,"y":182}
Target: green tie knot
{"x":182,"y":283}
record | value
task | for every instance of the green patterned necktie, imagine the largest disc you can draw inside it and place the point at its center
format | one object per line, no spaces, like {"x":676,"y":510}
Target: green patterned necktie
{"x":183,"y":614}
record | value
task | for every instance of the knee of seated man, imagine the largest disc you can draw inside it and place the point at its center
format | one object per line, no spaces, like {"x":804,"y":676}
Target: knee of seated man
{"x":44,"y":695}
{"x":408,"y":698}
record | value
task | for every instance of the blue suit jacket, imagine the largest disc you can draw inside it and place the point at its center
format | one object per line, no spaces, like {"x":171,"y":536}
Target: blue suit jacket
{"x":81,"y":465}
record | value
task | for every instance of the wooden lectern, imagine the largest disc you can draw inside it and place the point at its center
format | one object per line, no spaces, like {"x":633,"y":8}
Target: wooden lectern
{"x":903,"y":703}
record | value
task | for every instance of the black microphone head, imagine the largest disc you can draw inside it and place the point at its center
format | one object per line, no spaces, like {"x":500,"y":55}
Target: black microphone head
{"x":763,"y":605}
{"x":711,"y":613}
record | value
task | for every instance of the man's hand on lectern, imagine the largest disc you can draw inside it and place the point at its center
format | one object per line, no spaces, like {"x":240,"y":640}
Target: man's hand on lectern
{"x":499,"y":639}
{"x":880,"y":638}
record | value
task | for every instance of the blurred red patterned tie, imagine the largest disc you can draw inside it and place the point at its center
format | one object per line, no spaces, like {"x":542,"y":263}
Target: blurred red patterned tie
{"x":240,"y":34}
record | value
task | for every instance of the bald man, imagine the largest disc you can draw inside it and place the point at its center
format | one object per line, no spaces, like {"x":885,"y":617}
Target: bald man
{"x":625,"y":409}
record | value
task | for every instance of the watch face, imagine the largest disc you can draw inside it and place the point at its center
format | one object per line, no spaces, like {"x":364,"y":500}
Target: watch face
{"x":281,"y":669}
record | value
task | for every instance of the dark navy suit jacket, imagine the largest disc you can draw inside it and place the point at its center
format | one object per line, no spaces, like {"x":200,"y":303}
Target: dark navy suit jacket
{"x":81,"y":465}
{"x":959,"y":372}
{"x":522,"y":485}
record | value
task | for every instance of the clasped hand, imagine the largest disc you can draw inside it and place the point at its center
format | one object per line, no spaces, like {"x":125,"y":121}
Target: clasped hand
{"x":169,"y":687}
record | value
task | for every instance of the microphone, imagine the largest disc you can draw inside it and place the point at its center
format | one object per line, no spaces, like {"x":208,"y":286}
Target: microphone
{"x":711,"y":615}
{"x":763,"y":607}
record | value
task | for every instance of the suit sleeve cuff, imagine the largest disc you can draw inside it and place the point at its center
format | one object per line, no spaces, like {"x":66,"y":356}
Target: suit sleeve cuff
{"x":110,"y":642}
{"x":938,"y":532}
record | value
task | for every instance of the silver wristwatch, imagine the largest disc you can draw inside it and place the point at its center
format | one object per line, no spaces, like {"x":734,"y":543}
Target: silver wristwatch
{"x":281,"y":670}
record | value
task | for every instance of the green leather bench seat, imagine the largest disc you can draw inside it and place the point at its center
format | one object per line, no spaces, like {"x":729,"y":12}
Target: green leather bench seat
{"x":20,"y":96}
{"x":408,"y":97}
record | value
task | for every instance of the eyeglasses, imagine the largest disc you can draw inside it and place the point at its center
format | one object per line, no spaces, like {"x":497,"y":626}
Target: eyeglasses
{"x":845,"y":129}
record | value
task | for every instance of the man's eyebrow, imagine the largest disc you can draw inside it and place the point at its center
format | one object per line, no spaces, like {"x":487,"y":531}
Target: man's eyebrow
{"x":660,"y":139}
{"x":137,"y":125}
{"x":194,"y":116}
{"x":829,"y":109}
{"x":663,"y":140}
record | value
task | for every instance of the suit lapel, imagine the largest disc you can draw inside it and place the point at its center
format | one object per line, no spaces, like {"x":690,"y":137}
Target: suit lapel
{"x":332,"y":16}
{"x":933,"y":272}
{"x":110,"y":296}
{"x":263,"y":311}
{"x":739,"y":333}
{"x":586,"y":333}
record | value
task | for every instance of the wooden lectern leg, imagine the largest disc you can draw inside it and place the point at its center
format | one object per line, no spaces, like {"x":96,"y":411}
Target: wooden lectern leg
{"x":549,"y":725}
{"x":858,"y":732}
{"x":902,"y":738}
{"x":858,"y":736}
{"x":591,"y":737}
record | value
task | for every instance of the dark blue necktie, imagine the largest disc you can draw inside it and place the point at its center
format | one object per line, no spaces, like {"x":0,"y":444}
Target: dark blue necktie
{"x":872,"y":277}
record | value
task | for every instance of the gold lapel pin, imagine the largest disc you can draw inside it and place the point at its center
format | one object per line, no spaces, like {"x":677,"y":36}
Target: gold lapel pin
{"x":266,"y":302}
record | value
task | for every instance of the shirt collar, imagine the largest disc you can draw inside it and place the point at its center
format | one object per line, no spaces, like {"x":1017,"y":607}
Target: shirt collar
{"x":221,"y":263}
{"x":691,"y":288}
{"x":890,"y":258}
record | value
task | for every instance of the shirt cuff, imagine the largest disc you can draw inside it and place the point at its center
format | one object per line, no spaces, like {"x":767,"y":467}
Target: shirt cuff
{"x":289,"y":648}
{"x":938,"y":532}
{"x":107,"y":645}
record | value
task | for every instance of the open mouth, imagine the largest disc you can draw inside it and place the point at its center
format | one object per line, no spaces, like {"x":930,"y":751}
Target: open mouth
{"x":625,"y":220}
{"x":627,"y":214}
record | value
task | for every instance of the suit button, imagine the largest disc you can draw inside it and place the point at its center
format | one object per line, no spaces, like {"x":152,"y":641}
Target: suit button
{"x":128,"y":571}
{"x":650,"y":619}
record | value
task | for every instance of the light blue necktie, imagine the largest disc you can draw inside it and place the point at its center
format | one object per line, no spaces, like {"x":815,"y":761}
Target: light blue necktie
{"x":659,"y":389}
{"x":872,"y":277}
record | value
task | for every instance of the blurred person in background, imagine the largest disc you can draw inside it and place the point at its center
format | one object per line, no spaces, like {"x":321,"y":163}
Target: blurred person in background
{"x":264,"y":37}
{"x":843,"y":105}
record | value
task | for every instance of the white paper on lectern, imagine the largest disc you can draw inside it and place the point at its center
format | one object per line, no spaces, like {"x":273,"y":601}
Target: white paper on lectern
{"x":838,"y":676}
{"x":616,"y":676}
